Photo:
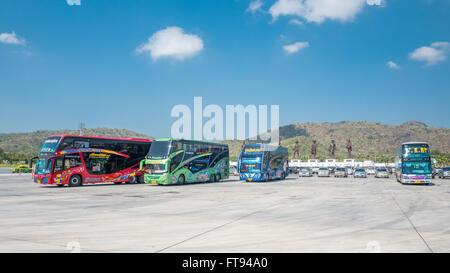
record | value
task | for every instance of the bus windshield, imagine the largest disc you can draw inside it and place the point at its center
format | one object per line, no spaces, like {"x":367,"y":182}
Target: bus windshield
{"x":43,"y":166}
{"x":159,"y":149}
{"x":416,"y":167}
{"x":156,"y":168}
{"x":50,"y":145}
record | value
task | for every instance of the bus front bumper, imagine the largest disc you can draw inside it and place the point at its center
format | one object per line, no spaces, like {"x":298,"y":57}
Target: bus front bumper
{"x":42,"y":179}
{"x":155,"y":178}
{"x":416,"y":179}
{"x":251,"y":177}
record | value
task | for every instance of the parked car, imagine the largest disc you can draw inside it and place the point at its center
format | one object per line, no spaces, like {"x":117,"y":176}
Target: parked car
{"x":331,"y":170}
{"x":294,"y":170}
{"x":233,"y":170}
{"x":436,"y":172}
{"x":315,"y":170}
{"x":305,"y":172}
{"x":360,"y":173}
{"x":349,"y":171}
{"x":370,"y":170}
{"x":445,"y":173}
{"x":21,"y":169}
{"x":323,"y":172}
{"x":340,"y":172}
{"x":381,"y":172}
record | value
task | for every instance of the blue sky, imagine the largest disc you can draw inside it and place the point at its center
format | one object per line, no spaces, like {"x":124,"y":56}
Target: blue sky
{"x":61,"y":64}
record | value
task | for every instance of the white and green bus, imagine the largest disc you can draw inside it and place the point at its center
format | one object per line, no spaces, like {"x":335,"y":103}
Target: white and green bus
{"x":179,"y":161}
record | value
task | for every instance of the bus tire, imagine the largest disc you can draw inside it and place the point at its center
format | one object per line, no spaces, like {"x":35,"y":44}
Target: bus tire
{"x":132,"y":180}
{"x":75,"y":181}
{"x":181,"y":179}
{"x":140,"y":179}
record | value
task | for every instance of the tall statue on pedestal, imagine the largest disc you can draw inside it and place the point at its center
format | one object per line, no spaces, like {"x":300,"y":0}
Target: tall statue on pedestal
{"x":314,"y":149}
{"x":296,"y":150}
{"x":349,"y":148}
{"x":332,"y":148}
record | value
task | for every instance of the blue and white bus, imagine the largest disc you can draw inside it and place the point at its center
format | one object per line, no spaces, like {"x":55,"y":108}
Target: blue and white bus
{"x":413,"y":163}
{"x":262,"y":162}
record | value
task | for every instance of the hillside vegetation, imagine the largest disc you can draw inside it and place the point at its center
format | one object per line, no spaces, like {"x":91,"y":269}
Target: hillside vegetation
{"x":16,"y":147}
{"x":370,"y":140}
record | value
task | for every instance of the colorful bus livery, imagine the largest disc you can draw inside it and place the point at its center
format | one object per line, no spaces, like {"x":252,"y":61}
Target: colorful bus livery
{"x":413,"y":163}
{"x":178,"y":161}
{"x":261,"y":162}
{"x":77,"y":160}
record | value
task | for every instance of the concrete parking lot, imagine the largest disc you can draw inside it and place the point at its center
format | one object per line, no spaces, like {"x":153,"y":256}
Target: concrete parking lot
{"x":295,"y":215}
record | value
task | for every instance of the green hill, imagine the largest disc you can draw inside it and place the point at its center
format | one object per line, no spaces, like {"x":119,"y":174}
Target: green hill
{"x":370,"y":139}
{"x":16,"y":147}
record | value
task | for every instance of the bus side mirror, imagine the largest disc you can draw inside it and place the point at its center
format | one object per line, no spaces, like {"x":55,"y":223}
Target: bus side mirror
{"x":30,"y":162}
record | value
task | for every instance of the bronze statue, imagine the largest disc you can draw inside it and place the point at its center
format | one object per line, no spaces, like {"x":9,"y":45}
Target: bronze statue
{"x":349,"y":148}
{"x":296,"y":149}
{"x":332,"y":148}
{"x":314,"y":149}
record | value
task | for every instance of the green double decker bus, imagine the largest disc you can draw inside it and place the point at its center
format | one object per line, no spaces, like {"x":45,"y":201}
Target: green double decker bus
{"x":178,"y":161}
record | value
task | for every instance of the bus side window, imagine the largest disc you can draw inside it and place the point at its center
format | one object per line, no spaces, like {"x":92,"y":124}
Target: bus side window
{"x":175,"y":161}
{"x":72,"y":161}
{"x":66,"y":144}
{"x":275,"y":163}
{"x":59,"y":164}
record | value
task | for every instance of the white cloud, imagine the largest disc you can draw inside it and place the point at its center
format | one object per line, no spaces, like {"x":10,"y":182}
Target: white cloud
{"x":11,"y":38}
{"x":296,"y":22}
{"x":392,"y":65}
{"x":319,"y":10}
{"x":375,"y":2}
{"x":172,"y":42}
{"x":255,"y":6}
{"x":292,"y":48}
{"x":73,"y":2}
{"x":433,"y":54}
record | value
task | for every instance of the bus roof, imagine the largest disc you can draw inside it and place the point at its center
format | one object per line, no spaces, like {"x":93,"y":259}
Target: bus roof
{"x":199,"y":141}
{"x":414,"y":142}
{"x":100,"y":137}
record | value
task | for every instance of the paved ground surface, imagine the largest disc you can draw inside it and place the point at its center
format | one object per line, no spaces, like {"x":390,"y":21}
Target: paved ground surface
{"x":296,"y":215}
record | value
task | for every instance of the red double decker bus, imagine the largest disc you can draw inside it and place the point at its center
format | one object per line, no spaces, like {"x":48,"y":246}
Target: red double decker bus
{"x":77,"y":160}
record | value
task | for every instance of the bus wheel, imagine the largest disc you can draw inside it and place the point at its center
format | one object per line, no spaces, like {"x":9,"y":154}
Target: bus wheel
{"x":181,"y":179}
{"x":140,"y":179}
{"x":132,"y":180}
{"x":75,"y":181}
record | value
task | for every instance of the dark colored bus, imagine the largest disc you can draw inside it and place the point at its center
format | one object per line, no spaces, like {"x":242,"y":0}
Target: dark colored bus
{"x":76,"y":160}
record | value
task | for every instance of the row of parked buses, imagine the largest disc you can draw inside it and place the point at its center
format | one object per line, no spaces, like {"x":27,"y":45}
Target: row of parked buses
{"x":76,"y":160}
